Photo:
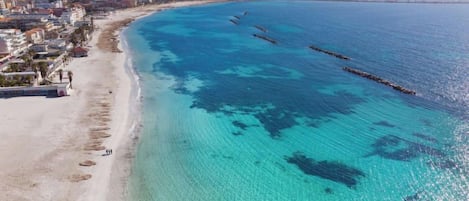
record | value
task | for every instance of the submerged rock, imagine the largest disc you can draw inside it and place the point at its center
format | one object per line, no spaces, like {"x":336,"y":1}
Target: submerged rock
{"x":379,"y":80}
{"x":329,"y":52}
{"x":384,"y":123}
{"x":234,"y":22}
{"x":397,"y":148}
{"x":261,"y":28}
{"x":329,"y":170}
{"x":265,"y":38}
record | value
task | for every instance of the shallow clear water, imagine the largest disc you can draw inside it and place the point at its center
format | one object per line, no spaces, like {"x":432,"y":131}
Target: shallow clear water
{"x":228,"y":116}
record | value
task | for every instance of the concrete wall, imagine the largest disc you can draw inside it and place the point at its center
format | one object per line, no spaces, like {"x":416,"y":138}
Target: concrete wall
{"x":49,"y":90}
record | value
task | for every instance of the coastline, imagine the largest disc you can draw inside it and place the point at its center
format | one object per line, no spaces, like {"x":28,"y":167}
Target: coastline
{"x":116,"y":187}
{"x":46,"y":148}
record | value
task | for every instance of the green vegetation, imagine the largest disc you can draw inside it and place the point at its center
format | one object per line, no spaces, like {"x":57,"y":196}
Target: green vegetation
{"x":43,"y":68}
{"x":16,"y":81}
{"x":13,"y":67}
{"x":28,"y":57}
{"x":78,"y":37}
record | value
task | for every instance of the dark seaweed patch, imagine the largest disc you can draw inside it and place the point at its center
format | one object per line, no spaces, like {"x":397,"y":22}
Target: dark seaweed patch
{"x":425,"y":137}
{"x":328,"y":190}
{"x":238,"y":133}
{"x":329,"y":170}
{"x":292,"y":97}
{"x":396,"y":148}
{"x":240,"y":125}
{"x":275,"y":120}
{"x":384,"y":123}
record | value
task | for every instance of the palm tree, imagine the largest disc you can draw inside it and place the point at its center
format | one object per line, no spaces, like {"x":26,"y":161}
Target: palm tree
{"x":27,"y":60}
{"x":61,"y":75}
{"x":92,"y":23}
{"x":28,"y":57}
{"x":14,"y":67}
{"x":65,"y":58}
{"x":43,"y":69}
{"x":30,"y":79}
{"x":74,"y":40}
{"x":31,"y":53}
{"x":3,"y":81}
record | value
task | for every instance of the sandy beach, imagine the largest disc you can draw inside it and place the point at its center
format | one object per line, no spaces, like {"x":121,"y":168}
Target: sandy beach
{"x":45,"y":139}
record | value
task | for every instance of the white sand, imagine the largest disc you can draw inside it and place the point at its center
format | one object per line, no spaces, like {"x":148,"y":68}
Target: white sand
{"x":43,"y":139}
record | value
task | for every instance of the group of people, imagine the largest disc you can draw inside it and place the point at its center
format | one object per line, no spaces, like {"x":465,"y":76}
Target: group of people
{"x":108,"y":151}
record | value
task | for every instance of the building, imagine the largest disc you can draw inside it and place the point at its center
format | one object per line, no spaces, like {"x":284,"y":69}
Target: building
{"x":25,"y":24}
{"x":59,"y":44}
{"x":42,"y":4}
{"x":35,"y":36}
{"x":40,"y":47}
{"x":13,"y":42}
{"x":47,"y":4}
{"x":17,"y":9}
{"x":73,"y":14}
{"x":79,"y":52}
{"x":42,"y":16}
{"x":3,"y":5}
{"x":23,"y":3}
{"x":10,"y":3}
{"x":143,"y":2}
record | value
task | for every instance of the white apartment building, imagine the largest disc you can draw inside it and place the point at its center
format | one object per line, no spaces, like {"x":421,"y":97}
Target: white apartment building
{"x":73,"y":14}
{"x":35,"y":36}
{"x":31,"y":16}
{"x":13,"y":42}
{"x":47,"y":4}
{"x":2,"y":4}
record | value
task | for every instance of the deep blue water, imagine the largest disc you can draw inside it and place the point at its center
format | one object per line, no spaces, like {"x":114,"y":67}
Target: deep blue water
{"x":228,"y":116}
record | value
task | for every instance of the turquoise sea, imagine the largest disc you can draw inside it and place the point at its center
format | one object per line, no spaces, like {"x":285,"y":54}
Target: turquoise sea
{"x":228,"y":116}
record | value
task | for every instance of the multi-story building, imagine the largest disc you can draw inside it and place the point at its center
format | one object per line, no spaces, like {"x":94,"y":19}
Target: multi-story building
{"x":26,"y":21}
{"x":73,"y":14}
{"x":42,"y":4}
{"x":35,"y":36}
{"x":25,"y":24}
{"x":47,"y":4}
{"x":24,"y":3}
{"x":3,"y":5}
{"x":31,"y":16}
{"x":10,"y":3}
{"x":13,"y":42}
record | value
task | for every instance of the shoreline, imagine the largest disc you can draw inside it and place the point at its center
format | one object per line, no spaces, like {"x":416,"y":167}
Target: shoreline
{"x":116,"y":184}
{"x":40,"y":157}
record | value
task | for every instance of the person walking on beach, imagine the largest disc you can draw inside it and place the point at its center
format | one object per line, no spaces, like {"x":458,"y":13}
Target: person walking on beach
{"x":70,"y":77}
{"x":108,"y":152}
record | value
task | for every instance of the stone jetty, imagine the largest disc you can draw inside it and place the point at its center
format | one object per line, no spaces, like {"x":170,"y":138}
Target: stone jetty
{"x":261,"y":28}
{"x":329,"y":52}
{"x":379,"y":80}
{"x":265,"y":38}
{"x":234,"y":21}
